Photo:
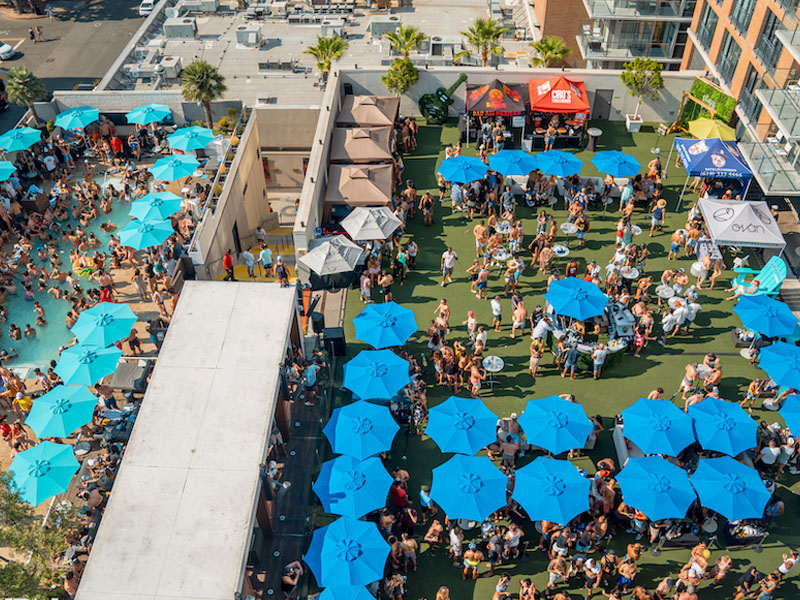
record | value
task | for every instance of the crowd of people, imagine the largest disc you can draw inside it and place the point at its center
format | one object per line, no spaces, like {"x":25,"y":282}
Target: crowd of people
{"x":663,"y":307}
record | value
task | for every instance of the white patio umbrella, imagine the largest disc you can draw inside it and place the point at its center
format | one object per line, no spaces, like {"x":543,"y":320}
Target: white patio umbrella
{"x":370,"y":223}
{"x":334,"y":255}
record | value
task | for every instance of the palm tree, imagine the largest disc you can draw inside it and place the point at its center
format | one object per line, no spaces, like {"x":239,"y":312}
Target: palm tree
{"x":25,"y":88}
{"x":406,"y":39}
{"x":203,"y":83}
{"x":549,"y":50}
{"x":484,"y":36}
{"x":327,"y":50}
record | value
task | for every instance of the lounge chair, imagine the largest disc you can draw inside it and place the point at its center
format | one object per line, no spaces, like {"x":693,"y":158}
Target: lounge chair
{"x":769,"y":278}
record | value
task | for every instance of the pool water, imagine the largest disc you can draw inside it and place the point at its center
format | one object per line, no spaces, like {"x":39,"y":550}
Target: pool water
{"x":38,"y":351}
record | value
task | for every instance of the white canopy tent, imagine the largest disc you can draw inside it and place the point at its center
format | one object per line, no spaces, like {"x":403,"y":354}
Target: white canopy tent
{"x":741,"y":223}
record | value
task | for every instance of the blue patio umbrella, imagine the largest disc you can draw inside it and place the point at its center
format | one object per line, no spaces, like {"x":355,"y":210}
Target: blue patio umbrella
{"x":555,"y":424}
{"x":143,"y":234}
{"x":462,"y":169}
{"x":723,"y":426}
{"x":551,"y":490}
{"x":61,"y":411}
{"x":77,"y":118}
{"x":375,"y":374}
{"x":462,"y":425}
{"x":43,"y":471}
{"x":155,"y":206}
{"x":190,"y":138}
{"x":558,"y":163}
{"x":790,"y":411}
{"x":469,"y":487}
{"x":347,"y":553}
{"x":87,"y":364}
{"x":766,"y":315}
{"x":616,"y":163}
{"x":174,"y":167}
{"x":656,"y":487}
{"x":576,"y":298}
{"x":104,"y":324}
{"x":346,"y":592}
{"x":149,"y":113}
{"x":781,"y":361}
{"x":512,"y":162}
{"x":19,"y":139}
{"x":657,"y":427}
{"x":361,"y":429}
{"x":7,"y":169}
{"x":351,"y":487}
{"x":384,"y":325}
{"x":730,"y":488}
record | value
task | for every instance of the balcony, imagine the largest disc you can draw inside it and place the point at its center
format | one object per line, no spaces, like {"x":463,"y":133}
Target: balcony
{"x":789,"y":33}
{"x":750,"y":105}
{"x":774,"y":165}
{"x":779,"y":93}
{"x":669,"y":10}
{"x":767,"y":52}
{"x":593,"y":47}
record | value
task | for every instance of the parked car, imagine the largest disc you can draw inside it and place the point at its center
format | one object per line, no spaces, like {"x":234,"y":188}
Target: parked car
{"x":6,"y":52}
{"x":146,"y":7}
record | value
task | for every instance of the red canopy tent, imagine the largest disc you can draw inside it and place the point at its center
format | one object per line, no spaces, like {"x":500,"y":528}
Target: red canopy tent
{"x":558,"y":95}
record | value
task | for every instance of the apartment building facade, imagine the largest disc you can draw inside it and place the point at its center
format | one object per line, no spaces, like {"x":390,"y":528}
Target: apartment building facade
{"x":605,"y":34}
{"x":752,"y":49}
{"x":616,"y":31}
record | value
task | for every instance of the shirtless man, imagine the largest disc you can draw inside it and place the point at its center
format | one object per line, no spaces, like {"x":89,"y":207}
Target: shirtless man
{"x":476,"y":376}
{"x":689,"y":378}
{"x":472,"y":560}
{"x":556,"y":569}
{"x":509,"y":449}
{"x":676,"y":241}
{"x":519,"y":318}
{"x":693,"y":399}
{"x":482,"y":283}
{"x":386,"y":281}
{"x":480,"y":231}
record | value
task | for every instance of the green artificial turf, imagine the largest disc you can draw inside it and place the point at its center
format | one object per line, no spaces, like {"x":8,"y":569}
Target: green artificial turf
{"x":618,"y":388}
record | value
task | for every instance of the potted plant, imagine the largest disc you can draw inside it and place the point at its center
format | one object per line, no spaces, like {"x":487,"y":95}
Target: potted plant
{"x":642,"y":77}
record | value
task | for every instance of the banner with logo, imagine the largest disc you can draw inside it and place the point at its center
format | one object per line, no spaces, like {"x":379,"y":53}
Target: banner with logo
{"x":558,"y":95}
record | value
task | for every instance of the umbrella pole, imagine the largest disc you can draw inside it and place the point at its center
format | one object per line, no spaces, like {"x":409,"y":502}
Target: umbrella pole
{"x":466,"y":118}
{"x":680,"y":198}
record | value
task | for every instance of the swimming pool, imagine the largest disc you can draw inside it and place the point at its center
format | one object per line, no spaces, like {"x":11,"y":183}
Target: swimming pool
{"x":38,"y":351}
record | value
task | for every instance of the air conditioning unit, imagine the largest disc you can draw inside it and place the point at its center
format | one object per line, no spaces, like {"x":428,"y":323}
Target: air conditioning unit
{"x":148,"y":71}
{"x":249,"y":35}
{"x":180,"y":28}
{"x":173,"y":65}
{"x":331,"y":27}
{"x":278,"y":8}
{"x":379,"y":25}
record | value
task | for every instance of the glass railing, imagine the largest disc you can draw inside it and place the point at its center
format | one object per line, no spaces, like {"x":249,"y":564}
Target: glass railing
{"x":789,"y":4}
{"x":629,"y":9}
{"x":779,"y":92}
{"x":594,"y":48}
{"x":773,"y":164}
{"x":789,"y":31}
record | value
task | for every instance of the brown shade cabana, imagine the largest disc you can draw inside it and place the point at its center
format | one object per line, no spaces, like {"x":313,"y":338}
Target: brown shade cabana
{"x":359,"y":185}
{"x":368,"y":111}
{"x":361,"y":145}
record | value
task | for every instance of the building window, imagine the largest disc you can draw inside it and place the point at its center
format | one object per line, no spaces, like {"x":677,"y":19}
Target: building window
{"x":707,"y":27}
{"x":767,"y":47}
{"x":741,"y":14}
{"x":728,"y":58}
{"x":747,"y":97}
{"x":789,"y":4}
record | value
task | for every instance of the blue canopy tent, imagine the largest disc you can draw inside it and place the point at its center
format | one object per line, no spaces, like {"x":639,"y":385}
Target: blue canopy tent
{"x":711,"y":158}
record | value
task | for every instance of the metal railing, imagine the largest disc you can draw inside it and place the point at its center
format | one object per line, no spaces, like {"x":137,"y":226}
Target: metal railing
{"x":767,"y":51}
{"x":771,"y":161}
{"x":671,"y":9}
{"x":779,"y":92}
{"x":751,"y":106}
{"x":594,"y":48}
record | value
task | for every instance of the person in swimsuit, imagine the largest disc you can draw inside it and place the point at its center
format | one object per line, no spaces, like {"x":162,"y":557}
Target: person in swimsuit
{"x":472,"y":560}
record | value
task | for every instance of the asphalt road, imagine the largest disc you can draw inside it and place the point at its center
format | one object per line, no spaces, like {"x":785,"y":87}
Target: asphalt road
{"x":81,"y":44}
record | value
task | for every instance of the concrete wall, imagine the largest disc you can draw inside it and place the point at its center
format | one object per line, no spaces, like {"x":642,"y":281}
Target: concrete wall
{"x":243,"y":203}
{"x":664,"y":109}
{"x":309,"y":212}
{"x":122,"y":101}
